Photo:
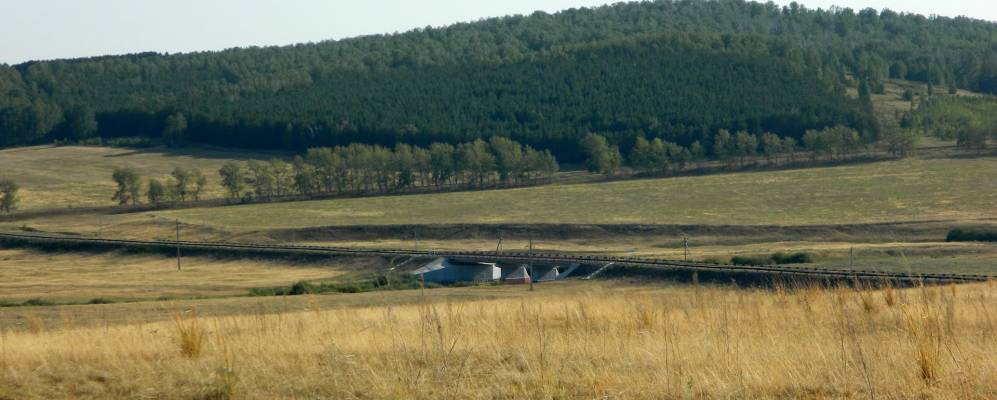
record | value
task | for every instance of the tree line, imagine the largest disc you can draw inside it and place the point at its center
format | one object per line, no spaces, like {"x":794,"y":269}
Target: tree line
{"x":660,"y":157}
{"x":356,"y":168}
{"x":678,"y":70}
{"x":184,"y":184}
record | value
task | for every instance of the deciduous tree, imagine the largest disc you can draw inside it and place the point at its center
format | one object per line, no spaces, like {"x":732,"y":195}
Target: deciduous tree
{"x":129,"y":184}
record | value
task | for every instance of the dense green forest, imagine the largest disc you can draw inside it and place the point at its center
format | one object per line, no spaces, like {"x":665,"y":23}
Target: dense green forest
{"x":676,"y":70}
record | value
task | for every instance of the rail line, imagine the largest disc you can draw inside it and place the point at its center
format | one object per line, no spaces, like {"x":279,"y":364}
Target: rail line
{"x":514,"y":257}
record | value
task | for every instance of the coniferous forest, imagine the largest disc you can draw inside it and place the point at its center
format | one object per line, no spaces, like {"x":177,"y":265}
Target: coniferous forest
{"x":680,"y":71}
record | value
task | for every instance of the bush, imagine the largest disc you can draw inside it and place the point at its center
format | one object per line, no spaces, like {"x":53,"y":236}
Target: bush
{"x":750,"y":260}
{"x":301,"y":288}
{"x":779,"y":258}
{"x":349,"y":289}
{"x":271,"y":291}
{"x":971,"y":235}
{"x":38,"y":302}
{"x":190,"y":335}
{"x":100,"y":300}
{"x":379,"y":282}
{"x":794,"y":258}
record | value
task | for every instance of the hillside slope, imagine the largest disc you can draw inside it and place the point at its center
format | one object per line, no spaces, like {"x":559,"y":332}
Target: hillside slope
{"x":906,"y":190}
{"x":376,"y":89}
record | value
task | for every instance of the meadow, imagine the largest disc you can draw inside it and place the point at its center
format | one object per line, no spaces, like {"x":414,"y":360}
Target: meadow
{"x":904,"y":190}
{"x":78,"y":176}
{"x":114,"y":276}
{"x":567,"y":340}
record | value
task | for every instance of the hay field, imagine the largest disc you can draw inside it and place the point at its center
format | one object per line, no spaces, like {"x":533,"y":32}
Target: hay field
{"x":905,"y":190}
{"x":81,"y":277}
{"x":604,"y":341}
{"x":77,"y":176}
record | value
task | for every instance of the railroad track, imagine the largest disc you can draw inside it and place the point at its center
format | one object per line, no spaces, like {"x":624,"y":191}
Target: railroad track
{"x":512,"y":257}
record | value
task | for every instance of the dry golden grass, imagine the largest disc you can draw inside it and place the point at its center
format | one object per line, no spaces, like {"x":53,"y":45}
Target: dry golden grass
{"x":75,"y":176}
{"x":600,"y":341}
{"x":83,"y":276}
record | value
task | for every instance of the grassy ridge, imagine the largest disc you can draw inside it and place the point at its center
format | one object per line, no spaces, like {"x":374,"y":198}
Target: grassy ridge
{"x":906,"y":190}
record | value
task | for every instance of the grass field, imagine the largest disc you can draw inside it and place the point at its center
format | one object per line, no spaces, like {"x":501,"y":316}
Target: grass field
{"x":81,"y":277}
{"x":564,"y":341}
{"x":75,"y":176}
{"x":906,"y":190}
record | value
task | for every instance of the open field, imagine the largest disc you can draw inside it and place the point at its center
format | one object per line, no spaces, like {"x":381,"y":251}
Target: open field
{"x":564,"y":341}
{"x":77,"y":176}
{"x":776,"y":211}
{"x":81,"y":277}
{"x":905,"y":190}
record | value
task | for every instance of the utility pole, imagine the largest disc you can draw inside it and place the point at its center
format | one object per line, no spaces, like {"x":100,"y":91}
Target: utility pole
{"x":685,"y":245}
{"x":851,"y":257}
{"x":531,"y":265}
{"x":178,"y":244}
{"x":498,"y":247}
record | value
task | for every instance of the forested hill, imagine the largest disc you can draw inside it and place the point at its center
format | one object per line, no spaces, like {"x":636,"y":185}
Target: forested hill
{"x":677,"y":70}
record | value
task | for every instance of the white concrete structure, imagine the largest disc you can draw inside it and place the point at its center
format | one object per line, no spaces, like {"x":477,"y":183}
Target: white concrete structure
{"x":443,"y":270}
{"x":518,"y":275}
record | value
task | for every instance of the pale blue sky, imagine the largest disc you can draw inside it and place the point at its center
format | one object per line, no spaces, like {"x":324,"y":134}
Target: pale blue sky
{"x":46,"y":29}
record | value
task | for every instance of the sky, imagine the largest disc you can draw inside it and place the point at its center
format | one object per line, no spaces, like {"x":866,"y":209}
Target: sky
{"x":49,"y":29}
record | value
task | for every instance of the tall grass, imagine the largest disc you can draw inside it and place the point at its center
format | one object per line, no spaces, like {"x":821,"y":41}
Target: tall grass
{"x":596,"y":341}
{"x":190,"y":336}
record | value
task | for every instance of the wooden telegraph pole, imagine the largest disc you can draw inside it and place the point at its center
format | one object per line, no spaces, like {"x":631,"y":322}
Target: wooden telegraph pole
{"x":685,"y":245}
{"x":178,"y":244}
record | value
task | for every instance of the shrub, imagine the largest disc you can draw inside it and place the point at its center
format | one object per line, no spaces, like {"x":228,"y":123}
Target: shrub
{"x":100,"y":300}
{"x":349,"y":289}
{"x":271,"y":291}
{"x":794,"y":258}
{"x":301,"y":288}
{"x":971,"y":235}
{"x":191,"y":336}
{"x":777,"y":259}
{"x":750,"y":260}
{"x":37,"y":302}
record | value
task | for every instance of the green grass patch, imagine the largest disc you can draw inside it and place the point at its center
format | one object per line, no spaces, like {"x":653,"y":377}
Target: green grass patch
{"x":894,"y":191}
